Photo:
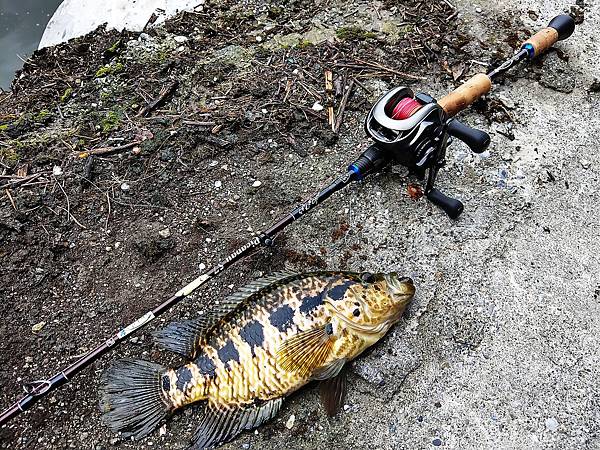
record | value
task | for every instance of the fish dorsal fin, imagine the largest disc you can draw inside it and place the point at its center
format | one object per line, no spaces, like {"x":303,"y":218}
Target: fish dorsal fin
{"x":252,"y":288}
{"x":306,"y":351}
{"x":333,"y":393}
{"x":183,"y":337}
{"x":220,"y":426}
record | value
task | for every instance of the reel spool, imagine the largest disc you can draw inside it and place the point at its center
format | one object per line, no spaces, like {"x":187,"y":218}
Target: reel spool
{"x":414,"y":131}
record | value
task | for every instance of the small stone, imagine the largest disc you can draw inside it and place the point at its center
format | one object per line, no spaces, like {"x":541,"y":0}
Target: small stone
{"x":256,"y":184}
{"x":38,"y":327}
{"x":585,"y":163}
{"x":165,"y":233}
{"x":57,"y":171}
{"x":317,"y":107}
{"x":290,"y":422}
{"x":478,"y":10}
{"x":551,"y":424}
{"x":201,"y":266}
{"x":218,"y":184}
{"x":346,"y":407}
{"x":246,"y":446}
{"x":180,"y":39}
{"x":125,"y":187}
{"x":28,"y":359}
{"x":113,"y":441}
{"x":436,"y":442}
{"x":83,"y":436}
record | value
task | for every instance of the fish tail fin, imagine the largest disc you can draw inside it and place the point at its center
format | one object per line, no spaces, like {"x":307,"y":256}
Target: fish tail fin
{"x":132,"y":399}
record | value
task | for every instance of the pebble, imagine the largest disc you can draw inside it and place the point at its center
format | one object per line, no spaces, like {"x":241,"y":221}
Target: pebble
{"x":218,"y":184}
{"x":38,"y":327}
{"x":436,"y":442}
{"x":317,"y":107}
{"x":551,"y":424}
{"x":290,"y":422}
{"x":180,"y":39}
{"x":57,"y":171}
{"x":585,"y":163}
{"x":125,"y":187}
{"x":478,"y":10}
{"x":165,"y":233}
{"x":256,"y":184}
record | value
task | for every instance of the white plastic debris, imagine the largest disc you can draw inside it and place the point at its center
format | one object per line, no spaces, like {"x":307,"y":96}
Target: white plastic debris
{"x":257,"y":184}
{"x":290,"y":422}
{"x":317,"y":107}
{"x":125,"y":187}
{"x":180,"y":39}
{"x":38,"y":327}
{"x":218,"y":184}
{"x":165,"y":233}
{"x":57,"y":171}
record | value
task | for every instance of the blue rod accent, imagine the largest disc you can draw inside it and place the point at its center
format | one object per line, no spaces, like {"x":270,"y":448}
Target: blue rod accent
{"x":356,"y":170}
{"x":530,"y":50}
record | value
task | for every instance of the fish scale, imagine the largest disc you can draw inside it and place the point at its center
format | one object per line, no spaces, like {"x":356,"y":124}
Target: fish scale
{"x":257,"y":347}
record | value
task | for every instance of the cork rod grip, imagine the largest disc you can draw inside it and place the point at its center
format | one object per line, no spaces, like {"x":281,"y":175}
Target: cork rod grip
{"x":466,"y":94}
{"x":542,"y":40}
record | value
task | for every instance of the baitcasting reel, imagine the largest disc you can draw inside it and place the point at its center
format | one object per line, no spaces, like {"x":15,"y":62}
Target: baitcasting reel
{"x":414,"y":130}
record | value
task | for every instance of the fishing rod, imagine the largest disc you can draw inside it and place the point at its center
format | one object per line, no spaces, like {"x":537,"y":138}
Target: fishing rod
{"x":410,"y":130}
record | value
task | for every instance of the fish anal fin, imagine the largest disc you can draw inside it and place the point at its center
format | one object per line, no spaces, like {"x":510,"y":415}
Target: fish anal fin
{"x":333,"y":393}
{"x":183,"y":337}
{"x":218,"y":425}
{"x":306,"y":351}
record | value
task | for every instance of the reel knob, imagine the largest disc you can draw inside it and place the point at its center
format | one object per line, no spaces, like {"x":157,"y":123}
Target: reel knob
{"x":451,"y":206}
{"x":477,"y":140}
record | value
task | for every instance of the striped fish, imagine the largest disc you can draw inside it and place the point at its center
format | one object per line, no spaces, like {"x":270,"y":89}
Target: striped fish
{"x":257,"y":347}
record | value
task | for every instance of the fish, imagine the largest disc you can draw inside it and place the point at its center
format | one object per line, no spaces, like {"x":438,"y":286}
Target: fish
{"x":253,"y":350}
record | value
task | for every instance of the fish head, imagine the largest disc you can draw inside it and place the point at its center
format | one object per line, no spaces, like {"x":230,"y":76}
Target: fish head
{"x":374,"y":303}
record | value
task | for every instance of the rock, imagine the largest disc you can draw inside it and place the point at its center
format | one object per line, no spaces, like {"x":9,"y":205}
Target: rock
{"x":125,"y":187}
{"x":218,"y":184}
{"x":164,"y":233}
{"x":551,"y":424}
{"x":57,"y":171}
{"x":256,"y":184}
{"x":38,"y":327}
{"x":180,"y":39}
{"x":436,"y":442}
{"x":317,"y":107}
{"x":557,"y":74}
{"x":585,"y":163}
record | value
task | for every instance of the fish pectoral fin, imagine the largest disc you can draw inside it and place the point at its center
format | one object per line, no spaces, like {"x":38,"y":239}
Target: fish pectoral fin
{"x":333,"y":392}
{"x":183,"y":337}
{"x":306,"y":351}
{"x":218,"y":425}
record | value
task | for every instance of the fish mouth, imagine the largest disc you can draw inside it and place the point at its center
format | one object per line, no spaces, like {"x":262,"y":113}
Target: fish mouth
{"x":400,"y":287}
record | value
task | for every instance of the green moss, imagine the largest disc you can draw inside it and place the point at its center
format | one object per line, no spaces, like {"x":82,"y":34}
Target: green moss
{"x":353,"y":33}
{"x":42,"y":116}
{"x":111,"y":69}
{"x":66,"y":95}
{"x":9,"y":155}
{"x":3,"y":128}
{"x":304,"y":43}
{"x":113,"y":48}
{"x":111,"y":121}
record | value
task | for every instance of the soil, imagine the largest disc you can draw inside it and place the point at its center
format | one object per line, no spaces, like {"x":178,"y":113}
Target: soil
{"x":91,"y":243}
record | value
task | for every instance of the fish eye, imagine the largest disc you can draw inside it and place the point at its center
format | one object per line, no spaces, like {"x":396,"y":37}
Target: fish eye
{"x":367,"y":277}
{"x":356,"y":312}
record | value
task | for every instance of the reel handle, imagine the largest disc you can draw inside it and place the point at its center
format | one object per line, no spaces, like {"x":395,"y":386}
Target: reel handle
{"x":451,"y":206}
{"x":559,"y":28}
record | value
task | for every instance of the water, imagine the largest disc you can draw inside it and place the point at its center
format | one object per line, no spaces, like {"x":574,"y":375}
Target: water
{"x":22,"y":23}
